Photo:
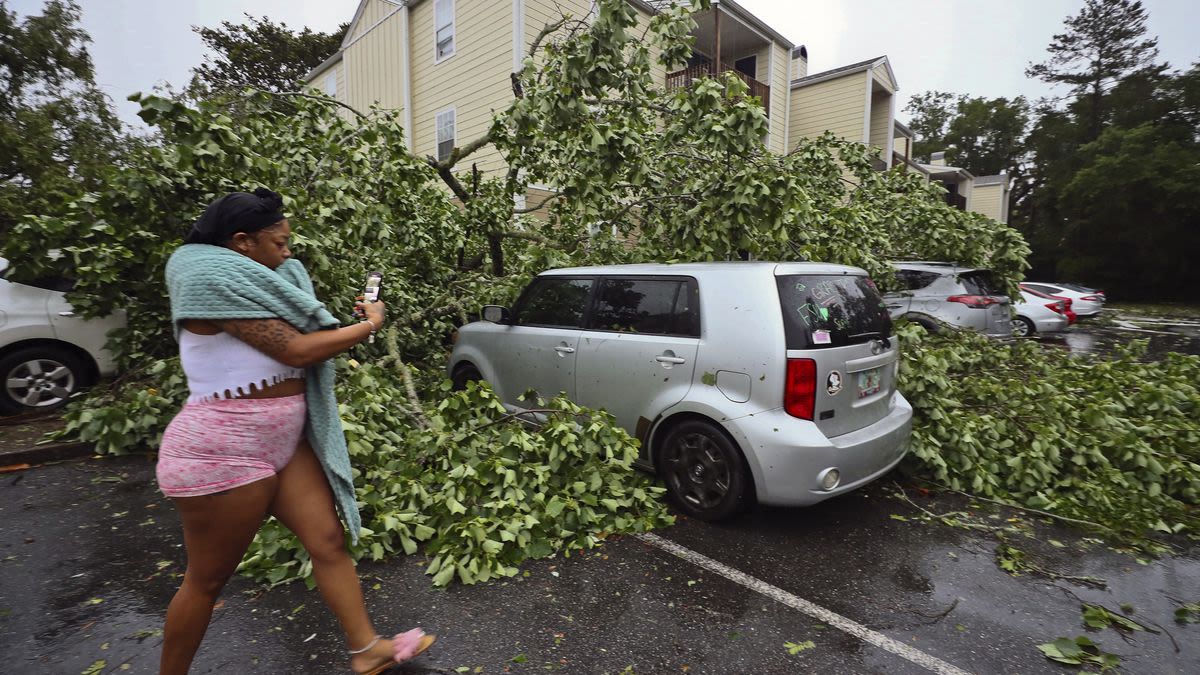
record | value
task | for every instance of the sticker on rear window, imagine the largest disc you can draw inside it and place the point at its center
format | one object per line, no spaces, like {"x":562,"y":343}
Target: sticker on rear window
{"x":821,"y":337}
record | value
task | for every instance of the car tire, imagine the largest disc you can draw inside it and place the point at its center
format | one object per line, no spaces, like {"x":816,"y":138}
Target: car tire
{"x":929,"y":325}
{"x":1023,"y":327}
{"x":39,"y":379}
{"x":706,"y":475}
{"x":463,"y":374}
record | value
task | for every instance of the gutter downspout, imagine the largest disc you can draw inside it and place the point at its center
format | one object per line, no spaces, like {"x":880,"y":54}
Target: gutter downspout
{"x":406,"y":79}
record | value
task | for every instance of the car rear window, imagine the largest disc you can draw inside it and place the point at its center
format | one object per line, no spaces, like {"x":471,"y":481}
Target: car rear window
{"x":831,"y":310}
{"x":978,"y":282}
{"x":914,"y":280}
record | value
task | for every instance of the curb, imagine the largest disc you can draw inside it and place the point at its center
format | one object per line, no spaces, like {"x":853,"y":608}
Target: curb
{"x":51,"y":452}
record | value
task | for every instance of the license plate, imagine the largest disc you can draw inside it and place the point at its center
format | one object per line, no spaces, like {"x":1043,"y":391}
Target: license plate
{"x":869,"y":382}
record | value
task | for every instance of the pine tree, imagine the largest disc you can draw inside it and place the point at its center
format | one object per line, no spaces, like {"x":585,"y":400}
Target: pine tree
{"x":1103,"y":43}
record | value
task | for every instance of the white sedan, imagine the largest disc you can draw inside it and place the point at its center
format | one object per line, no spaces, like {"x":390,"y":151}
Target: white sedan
{"x":1038,"y":315}
{"x":46,"y":352}
{"x":1084,"y":303}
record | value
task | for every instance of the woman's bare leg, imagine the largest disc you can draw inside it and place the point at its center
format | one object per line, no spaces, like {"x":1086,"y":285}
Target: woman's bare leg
{"x":216,"y":531}
{"x":304,"y":504}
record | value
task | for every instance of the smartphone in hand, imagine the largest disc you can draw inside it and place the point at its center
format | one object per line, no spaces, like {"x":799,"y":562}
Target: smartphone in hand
{"x":372,"y":292}
{"x":373,"y":288}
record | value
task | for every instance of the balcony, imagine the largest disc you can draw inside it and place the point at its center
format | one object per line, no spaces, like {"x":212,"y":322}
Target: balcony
{"x":956,"y":200}
{"x":685,"y":78}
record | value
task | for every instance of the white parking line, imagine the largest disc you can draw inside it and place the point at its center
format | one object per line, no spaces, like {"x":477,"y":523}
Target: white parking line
{"x":931,"y":663}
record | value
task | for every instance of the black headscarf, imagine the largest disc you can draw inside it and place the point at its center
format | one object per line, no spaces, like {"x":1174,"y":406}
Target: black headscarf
{"x":236,"y":212}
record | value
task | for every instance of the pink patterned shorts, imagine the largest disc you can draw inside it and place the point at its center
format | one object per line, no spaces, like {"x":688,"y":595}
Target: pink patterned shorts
{"x":213,"y":446}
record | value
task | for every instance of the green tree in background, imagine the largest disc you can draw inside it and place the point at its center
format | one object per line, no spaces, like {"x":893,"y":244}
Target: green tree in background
{"x":984,"y":136}
{"x":57,"y":129}
{"x":259,"y":54}
{"x":1103,"y":43}
{"x":930,"y":113}
{"x":1102,"y":177}
{"x":1133,"y":210}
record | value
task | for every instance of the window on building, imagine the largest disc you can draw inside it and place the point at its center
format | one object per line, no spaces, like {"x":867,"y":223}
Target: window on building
{"x":445,"y":134}
{"x":331,"y":84}
{"x":443,"y":13}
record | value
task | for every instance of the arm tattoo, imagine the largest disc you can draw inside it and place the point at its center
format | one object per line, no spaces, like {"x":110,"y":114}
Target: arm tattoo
{"x":269,"y":336}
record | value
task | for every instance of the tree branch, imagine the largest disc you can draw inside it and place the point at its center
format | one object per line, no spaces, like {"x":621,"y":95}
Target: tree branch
{"x":323,"y":99}
{"x":545,"y":201}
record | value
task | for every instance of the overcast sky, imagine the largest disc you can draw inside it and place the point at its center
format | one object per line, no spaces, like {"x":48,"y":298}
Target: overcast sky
{"x":963,"y":46}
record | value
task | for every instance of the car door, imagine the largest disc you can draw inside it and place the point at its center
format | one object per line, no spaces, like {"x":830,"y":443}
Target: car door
{"x":91,"y":335}
{"x":638,"y":352}
{"x":23,"y":311}
{"x":538,"y":350}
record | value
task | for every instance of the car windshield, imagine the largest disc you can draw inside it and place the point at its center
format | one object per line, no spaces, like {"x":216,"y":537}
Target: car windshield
{"x":831,"y":310}
{"x":978,"y":282}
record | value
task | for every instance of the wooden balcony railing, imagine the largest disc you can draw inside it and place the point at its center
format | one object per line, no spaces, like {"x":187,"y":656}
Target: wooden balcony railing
{"x":685,"y":77}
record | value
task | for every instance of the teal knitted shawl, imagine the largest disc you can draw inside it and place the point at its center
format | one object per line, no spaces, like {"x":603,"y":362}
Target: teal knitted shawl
{"x":214,"y":282}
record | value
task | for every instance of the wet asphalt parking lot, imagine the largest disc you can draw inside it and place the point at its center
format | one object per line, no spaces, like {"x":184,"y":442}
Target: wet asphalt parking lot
{"x":90,"y":554}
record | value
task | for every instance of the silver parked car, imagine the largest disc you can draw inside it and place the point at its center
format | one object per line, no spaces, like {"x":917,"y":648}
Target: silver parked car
{"x":46,"y":352}
{"x":743,"y":381}
{"x":936,"y":293}
{"x":1039,"y":315}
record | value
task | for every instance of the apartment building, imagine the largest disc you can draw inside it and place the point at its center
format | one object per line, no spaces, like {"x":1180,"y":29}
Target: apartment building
{"x":446,"y":66}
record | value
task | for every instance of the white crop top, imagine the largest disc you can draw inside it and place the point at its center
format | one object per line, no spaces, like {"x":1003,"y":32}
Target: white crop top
{"x":222,"y":366}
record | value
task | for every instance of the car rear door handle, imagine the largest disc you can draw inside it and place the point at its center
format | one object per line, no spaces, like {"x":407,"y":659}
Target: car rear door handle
{"x":563,"y":349}
{"x":670,"y":359}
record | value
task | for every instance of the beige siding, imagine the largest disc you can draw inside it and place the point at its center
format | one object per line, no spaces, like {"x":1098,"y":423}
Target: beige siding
{"x":474,"y":80}
{"x":799,"y":67}
{"x":836,"y":105}
{"x":778,"y":81}
{"x":657,"y":70}
{"x":901,"y":146}
{"x":339,"y":73}
{"x":881,"y":75}
{"x":985,"y":199}
{"x":881,"y":119}
{"x":541,"y":13}
{"x":374,"y":60}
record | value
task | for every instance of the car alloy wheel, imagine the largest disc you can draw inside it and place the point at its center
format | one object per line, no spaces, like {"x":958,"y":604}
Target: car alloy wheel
{"x":39,"y":382}
{"x":1022,"y":327}
{"x":703,"y":470}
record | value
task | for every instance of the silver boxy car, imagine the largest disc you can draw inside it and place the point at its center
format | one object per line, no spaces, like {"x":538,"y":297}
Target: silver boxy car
{"x":935,"y":293}
{"x":743,"y":381}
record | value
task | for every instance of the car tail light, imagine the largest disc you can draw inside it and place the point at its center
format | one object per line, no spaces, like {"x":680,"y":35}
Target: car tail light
{"x":1056,"y":307}
{"x":1092,"y":298}
{"x":973,"y":301}
{"x":800,"y":388}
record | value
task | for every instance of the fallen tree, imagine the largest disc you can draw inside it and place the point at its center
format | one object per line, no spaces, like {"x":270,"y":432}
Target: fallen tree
{"x":680,"y":175}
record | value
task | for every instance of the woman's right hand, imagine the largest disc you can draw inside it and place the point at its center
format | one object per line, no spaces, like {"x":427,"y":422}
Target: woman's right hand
{"x":375,"y":312}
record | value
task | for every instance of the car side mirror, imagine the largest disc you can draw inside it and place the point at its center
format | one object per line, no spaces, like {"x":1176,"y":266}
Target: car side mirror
{"x":495,"y":313}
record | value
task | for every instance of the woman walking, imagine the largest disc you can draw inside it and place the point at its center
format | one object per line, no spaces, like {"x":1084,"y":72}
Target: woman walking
{"x":260,"y":433}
